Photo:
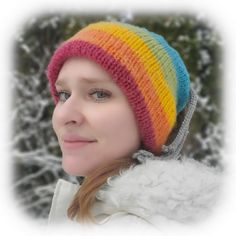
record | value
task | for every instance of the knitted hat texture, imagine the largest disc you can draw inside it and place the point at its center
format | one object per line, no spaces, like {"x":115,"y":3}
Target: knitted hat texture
{"x":148,"y":70}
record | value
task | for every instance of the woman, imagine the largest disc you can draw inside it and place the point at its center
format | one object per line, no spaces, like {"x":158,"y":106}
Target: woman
{"x":123,"y":104}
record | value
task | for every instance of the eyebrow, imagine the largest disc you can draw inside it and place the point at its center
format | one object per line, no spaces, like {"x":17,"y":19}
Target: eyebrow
{"x":62,"y":82}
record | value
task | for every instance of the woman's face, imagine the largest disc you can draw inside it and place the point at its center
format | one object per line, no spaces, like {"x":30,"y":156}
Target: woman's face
{"x":93,"y":120}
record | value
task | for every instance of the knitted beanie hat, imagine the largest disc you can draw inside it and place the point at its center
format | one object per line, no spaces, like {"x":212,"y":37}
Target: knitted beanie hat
{"x":150,"y":73}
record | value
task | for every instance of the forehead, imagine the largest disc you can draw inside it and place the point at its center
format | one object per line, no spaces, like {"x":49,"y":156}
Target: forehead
{"x":83,"y":69}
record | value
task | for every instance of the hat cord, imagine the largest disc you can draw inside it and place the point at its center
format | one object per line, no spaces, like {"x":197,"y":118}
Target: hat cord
{"x":172,"y":150}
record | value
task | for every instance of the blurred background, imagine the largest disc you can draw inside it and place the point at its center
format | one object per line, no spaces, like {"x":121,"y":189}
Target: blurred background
{"x":34,"y":148}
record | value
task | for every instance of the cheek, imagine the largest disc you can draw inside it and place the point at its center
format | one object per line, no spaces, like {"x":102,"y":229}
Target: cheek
{"x":118,"y":125}
{"x":55,"y":120}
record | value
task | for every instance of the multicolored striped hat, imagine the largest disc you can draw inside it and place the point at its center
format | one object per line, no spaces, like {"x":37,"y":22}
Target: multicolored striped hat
{"x":150,"y":73}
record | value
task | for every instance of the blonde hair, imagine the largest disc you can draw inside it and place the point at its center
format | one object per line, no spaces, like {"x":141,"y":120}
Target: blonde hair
{"x":80,"y":208}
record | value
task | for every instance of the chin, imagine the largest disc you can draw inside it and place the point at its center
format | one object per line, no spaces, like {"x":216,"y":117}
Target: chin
{"x":71,"y":170}
{"x":77,"y":165}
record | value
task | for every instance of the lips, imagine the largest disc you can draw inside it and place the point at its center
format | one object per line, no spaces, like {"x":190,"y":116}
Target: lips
{"x":70,"y":141}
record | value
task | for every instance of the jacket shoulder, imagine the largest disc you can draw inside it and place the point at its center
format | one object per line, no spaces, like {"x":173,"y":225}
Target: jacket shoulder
{"x":126,"y":220}
{"x":63,"y":195}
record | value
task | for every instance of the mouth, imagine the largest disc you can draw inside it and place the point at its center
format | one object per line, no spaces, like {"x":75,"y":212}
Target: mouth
{"x":75,"y":144}
{"x":75,"y":141}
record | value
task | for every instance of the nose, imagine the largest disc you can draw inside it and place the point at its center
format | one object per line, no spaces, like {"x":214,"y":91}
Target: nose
{"x":71,"y":111}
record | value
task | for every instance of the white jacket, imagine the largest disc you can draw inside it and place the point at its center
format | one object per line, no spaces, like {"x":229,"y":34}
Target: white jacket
{"x":155,"y":193}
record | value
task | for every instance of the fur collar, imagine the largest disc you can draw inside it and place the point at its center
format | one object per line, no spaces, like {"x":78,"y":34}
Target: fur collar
{"x":180,"y":190}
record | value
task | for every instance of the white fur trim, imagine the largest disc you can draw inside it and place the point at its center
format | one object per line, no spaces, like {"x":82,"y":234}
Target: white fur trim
{"x":183,"y":191}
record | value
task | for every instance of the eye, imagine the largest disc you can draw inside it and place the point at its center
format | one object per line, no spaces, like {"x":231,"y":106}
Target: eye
{"x":100,"y":94}
{"x":62,"y":95}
